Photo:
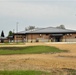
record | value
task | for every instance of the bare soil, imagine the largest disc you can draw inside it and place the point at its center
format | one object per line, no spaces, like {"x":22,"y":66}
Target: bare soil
{"x":44,"y":62}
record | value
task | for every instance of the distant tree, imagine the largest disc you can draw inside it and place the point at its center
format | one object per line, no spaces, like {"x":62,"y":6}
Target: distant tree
{"x":10,"y":33}
{"x":2,"y":34}
{"x":10,"y":36}
{"x":30,"y":28}
{"x":61,"y":26}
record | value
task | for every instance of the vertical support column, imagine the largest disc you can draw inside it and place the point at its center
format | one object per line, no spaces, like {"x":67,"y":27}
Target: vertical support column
{"x":31,"y":38}
{"x":65,"y":37}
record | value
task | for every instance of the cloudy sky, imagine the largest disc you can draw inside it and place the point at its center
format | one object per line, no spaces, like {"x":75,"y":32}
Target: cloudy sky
{"x":38,"y":13}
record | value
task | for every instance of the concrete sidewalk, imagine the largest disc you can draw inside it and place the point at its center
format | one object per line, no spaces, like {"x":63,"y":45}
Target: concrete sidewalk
{"x":60,"y":43}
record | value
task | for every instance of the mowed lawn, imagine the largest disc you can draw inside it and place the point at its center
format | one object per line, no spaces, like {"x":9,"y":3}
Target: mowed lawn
{"x":29,"y":50}
{"x":29,"y":72}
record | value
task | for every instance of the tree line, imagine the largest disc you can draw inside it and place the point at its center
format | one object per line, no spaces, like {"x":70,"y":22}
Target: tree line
{"x":9,"y":34}
{"x":33,"y":27}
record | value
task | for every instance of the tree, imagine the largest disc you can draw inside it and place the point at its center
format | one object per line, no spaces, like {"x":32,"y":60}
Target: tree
{"x":30,"y":28}
{"x":10,"y":33}
{"x":10,"y":36}
{"x":2,"y":34}
{"x":61,"y":27}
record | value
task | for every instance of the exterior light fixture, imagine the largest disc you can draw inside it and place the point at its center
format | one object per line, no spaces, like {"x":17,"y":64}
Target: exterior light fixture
{"x":40,"y":35}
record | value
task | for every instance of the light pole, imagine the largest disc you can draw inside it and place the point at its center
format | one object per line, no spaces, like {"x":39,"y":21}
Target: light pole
{"x":17,"y":27}
{"x":17,"y":30}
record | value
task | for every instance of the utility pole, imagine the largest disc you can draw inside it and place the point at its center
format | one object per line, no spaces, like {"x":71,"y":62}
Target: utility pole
{"x":17,"y":27}
{"x":17,"y":31}
{"x":13,"y":35}
{"x":13,"y":31}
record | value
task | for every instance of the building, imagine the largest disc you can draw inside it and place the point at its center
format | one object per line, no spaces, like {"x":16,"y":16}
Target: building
{"x":49,"y":34}
{"x":3,"y":39}
{"x":6,"y":39}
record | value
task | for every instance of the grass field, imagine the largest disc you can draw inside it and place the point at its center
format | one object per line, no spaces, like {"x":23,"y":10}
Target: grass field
{"x":29,"y":72}
{"x":29,"y":50}
{"x":38,"y":59}
{"x":33,"y":72}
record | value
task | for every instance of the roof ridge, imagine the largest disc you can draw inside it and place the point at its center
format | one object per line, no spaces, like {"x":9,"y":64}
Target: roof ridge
{"x":61,"y":28}
{"x":38,"y":29}
{"x":49,"y":27}
{"x":44,"y":28}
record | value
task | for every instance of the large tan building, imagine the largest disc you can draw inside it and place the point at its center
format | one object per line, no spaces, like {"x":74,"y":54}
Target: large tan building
{"x":49,"y":34}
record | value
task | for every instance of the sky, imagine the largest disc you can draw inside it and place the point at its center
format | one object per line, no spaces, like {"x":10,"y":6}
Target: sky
{"x":38,"y":13}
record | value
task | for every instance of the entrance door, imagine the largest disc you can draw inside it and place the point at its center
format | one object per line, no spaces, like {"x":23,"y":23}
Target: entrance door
{"x":57,"y":39}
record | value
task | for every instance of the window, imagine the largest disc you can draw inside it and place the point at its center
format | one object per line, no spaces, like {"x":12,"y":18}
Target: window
{"x":16,"y":36}
{"x":47,"y":34}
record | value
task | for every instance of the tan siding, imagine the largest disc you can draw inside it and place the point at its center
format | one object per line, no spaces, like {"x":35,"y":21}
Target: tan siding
{"x":43,"y":37}
{"x":34,"y":37}
{"x":19,"y":38}
{"x":69,"y":38}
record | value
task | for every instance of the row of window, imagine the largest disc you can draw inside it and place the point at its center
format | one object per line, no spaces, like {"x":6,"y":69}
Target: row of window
{"x":40,"y":36}
{"x":70,"y":35}
{"x":20,"y":37}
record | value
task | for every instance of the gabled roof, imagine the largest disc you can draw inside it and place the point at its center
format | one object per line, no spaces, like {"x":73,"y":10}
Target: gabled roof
{"x":48,"y":30}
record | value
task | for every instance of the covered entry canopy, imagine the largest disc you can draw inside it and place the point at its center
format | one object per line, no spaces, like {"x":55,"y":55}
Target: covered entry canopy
{"x":56,"y":34}
{"x":56,"y":37}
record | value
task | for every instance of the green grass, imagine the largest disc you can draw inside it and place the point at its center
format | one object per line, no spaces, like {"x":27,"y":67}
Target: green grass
{"x":30,"y":72}
{"x":29,"y":50}
{"x":23,"y":73}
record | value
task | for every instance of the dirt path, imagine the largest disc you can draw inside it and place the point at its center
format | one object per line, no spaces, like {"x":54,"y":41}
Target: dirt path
{"x":41,"y":61}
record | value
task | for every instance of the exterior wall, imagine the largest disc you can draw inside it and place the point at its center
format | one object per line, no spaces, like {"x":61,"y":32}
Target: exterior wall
{"x":43,"y":38}
{"x":69,"y":38}
{"x":39,"y":37}
{"x":19,"y":38}
{"x":4,"y":41}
